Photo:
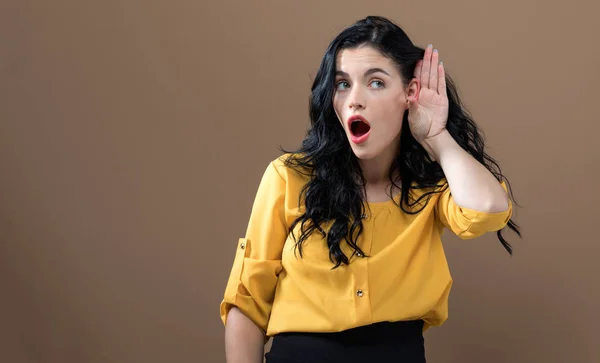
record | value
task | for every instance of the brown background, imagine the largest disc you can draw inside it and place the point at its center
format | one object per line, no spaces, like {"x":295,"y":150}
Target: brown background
{"x":133,"y":136}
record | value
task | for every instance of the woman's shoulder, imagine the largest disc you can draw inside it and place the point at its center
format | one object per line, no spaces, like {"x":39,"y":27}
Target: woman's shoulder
{"x":291,"y":168}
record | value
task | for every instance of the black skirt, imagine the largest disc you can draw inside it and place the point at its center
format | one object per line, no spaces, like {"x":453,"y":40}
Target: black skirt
{"x":397,"y":342}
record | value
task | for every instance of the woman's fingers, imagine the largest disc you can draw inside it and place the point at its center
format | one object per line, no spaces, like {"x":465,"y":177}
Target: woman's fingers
{"x":442,"y":80}
{"x":426,"y":67}
{"x":430,"y":71}
{"x":433,"y":73}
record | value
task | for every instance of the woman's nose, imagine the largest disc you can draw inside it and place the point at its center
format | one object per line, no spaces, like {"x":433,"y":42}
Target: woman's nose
{"x":356,"y":105}
{"x":357,"y":100}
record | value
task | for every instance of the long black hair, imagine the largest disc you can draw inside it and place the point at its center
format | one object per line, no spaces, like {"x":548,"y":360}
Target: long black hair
{"x":335,"y":191}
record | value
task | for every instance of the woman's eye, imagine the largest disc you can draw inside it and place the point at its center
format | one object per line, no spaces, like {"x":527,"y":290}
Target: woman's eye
{"x":342,"y":85}
{"x":377,"y":84}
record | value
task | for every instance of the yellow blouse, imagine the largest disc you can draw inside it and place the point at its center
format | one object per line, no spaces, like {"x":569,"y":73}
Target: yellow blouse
{"x":405,"y":277}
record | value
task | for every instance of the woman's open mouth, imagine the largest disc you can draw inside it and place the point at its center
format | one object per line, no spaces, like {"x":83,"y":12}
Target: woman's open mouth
{"x":359,"y":129}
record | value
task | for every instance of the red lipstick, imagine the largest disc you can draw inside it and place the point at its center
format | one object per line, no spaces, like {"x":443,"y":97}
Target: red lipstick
{"x":359,"y":129}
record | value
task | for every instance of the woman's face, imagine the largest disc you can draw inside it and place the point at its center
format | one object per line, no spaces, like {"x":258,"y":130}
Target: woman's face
{"x":370,"y":99}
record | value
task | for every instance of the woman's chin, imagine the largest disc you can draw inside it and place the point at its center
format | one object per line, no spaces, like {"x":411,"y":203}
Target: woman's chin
{"x":363,"y":153}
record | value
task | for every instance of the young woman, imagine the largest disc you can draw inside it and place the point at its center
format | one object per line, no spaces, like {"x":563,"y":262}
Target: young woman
{"x":342,"y":260}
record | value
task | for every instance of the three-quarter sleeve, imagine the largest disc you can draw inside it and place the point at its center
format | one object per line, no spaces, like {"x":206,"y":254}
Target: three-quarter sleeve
{"x":257,"y":260}
{"x":469,"y":223}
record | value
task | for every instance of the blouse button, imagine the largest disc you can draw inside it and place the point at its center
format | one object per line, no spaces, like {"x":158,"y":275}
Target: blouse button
{"x":359,"y":254}
{"x":359,"y":293}
{"x":242,"y":245}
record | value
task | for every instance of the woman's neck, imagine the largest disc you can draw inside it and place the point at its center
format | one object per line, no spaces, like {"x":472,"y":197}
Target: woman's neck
{"x":376,"y":175}
{"x":376,"y":170}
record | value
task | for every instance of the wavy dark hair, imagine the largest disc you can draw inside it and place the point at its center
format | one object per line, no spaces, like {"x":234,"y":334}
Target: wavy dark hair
{"x":335,"y":192}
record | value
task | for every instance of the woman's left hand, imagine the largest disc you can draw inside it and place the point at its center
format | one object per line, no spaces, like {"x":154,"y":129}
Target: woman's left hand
{"x":428,"y":112}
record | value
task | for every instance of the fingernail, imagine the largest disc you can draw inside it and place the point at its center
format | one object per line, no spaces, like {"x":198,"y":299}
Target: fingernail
{"x":429,"y":45}
{"x":442,"y":64}
{"x":435,"y":51}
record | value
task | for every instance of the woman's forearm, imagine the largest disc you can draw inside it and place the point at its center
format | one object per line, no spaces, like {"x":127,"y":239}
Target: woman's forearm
{"x":472,"y":185}
{"x":244,"y":341}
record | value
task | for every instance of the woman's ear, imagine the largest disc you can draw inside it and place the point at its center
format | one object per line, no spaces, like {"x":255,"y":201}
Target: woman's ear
{"x":412,"y":90}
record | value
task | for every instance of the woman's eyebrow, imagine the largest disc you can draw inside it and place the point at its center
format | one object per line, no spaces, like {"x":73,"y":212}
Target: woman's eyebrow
{"x":367,"y":72}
